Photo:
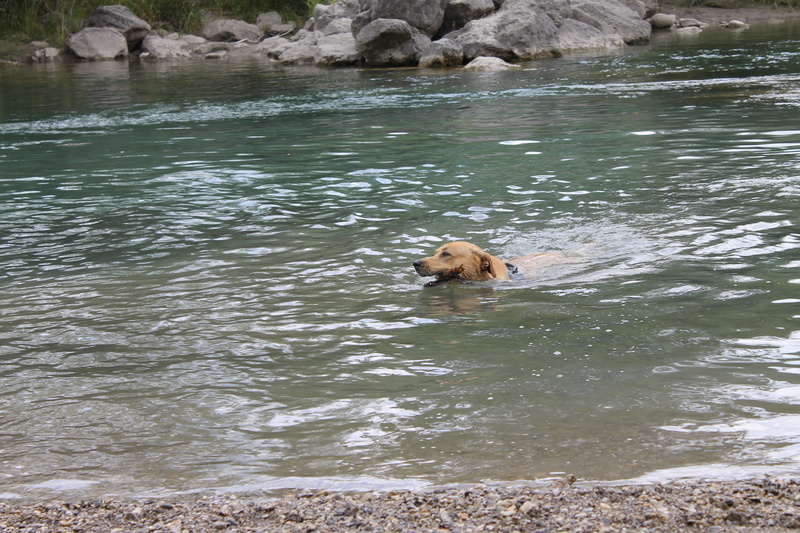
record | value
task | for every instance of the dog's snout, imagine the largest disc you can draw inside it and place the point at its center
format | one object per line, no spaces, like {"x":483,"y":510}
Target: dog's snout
{"x":417,"y":263}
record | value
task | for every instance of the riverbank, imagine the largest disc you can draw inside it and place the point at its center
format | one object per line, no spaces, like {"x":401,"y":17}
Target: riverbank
{"x":767,"y":504}
{"x":749,"y":13}
{"x":19,"y":53}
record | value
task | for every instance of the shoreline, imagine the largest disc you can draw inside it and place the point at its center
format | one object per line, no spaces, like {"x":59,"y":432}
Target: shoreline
{"x":765,"y":504}
{"x":14,"y":53}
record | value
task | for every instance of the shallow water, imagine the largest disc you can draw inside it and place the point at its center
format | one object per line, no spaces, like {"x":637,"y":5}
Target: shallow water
{"x":207,"y":282}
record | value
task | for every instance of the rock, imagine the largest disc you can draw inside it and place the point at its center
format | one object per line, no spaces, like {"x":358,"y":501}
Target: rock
{"x":637,"y":6}
{"x":122,"y":19}
{"x":576,"y":36}
{"x":442,"y":53}
{"x":689,"y":30}
{"x":488,"y":64}
{"x":302,"y":51}
{"x":267,"y":20}
{"x":459,"y":12}
{"x":272,"y":46}
{"x":519,"y":30}
{"x":337,"y":50}
{"x":338,"y":26}
{"x":46,"y":54}
{"x":156,"y":47}
{"x":690,"y":23}
{"x":735,"y":25}
{"x":272,"y":24}
{"x":227,"y":30}
{"x":390,"y":43}
{"x":98,"y":43}
{"x":611,"y":17}
{"x":424,"y":15}
{"x":663,"y":21}
{"x":343,"y":9}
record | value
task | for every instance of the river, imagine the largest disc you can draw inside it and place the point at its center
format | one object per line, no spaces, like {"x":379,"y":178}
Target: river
{"x":205,"y":270}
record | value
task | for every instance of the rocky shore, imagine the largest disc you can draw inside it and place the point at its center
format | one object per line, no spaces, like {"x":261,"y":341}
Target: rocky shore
{"x":767,"y":504}
{"x":384,"y":33}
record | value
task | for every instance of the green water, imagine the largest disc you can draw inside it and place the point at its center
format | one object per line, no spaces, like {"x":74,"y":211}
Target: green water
{"x":207,"y":285}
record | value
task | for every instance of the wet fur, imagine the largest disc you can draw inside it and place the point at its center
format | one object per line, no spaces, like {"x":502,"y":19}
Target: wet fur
{"x":465,"y":261}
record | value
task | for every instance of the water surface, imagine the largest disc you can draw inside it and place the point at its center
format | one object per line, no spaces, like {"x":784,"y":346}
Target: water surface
{"x":205,"y":270}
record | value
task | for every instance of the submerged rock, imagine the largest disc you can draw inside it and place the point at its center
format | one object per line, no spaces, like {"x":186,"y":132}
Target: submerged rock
{"x":488,"y":64}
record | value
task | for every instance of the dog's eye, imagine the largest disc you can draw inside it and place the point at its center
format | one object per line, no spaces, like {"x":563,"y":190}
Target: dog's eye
{"x":445,"y":254}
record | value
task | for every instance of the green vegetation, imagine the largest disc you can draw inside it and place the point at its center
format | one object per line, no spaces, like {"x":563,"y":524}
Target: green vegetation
{"x":53,"y":20}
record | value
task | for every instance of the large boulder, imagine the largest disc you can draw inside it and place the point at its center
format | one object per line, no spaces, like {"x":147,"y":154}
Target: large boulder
{"x":343,"y":9}
{"x":170,"y":47}
{"x":302,"y":50}
{"x":391,"y":43}
{"x":459,"y":12}
{"x":612,"y":17}
{"x":227,"y":30}
{"x":424,"y":15}
{"x":337,"y":50}
{"x":122,"y":19}
{"x":520,"y":30}
{"x":442,"y":53}
{"x":271,"y":23}
{"x":576,"y":36}
{"x":98,"y":43}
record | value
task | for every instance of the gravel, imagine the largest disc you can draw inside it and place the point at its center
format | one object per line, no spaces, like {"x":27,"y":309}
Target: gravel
{"x":768,"y":504}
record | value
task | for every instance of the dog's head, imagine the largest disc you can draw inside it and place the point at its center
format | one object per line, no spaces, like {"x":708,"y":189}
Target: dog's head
{"x":457,"y":260}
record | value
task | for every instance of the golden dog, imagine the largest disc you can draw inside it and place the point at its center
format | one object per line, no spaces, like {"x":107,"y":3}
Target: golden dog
{"x":461,"y":260}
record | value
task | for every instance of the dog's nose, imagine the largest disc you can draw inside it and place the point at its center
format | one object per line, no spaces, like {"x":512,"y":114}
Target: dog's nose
{"x":417,"y":264}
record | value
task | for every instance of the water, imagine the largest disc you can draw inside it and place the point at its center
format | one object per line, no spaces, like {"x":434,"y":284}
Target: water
{"x":207,"y":282}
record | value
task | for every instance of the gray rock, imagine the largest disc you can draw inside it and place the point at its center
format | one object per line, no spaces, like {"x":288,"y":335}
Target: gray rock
{"x":520,"y":30}
{"x":302,"y":51}
{"x":272,"y":46}
{"x":343,"y":9}
{"x":637,"y":6}
{"x":391,"y":43}
{"x":227,"y":30}
{"x":424,"y":15}
{"x":272,"y":24}
{"x":663,"y":21}
{"x":689,"y":23}
{"x":213,"y":50}
{"x":337,"y":50}
{"x":459,"y":12}
{"x":46,"y":54}
{"x":577,"y":36}
{"x":122,"y":19}
{"x":265,"y":21}
{"x":611,"y":17}
{"x":442,"y":53}
{"x":689,"y":30}
{"x":155,"y":47}
{"x":488,"y":64}
{"x":341,"y":25}
{"x":98,"y":43}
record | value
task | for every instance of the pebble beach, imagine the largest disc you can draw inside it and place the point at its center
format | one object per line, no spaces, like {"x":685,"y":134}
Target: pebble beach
{"x":766,"y":504}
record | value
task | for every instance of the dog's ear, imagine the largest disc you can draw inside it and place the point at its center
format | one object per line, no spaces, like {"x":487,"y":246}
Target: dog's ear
{"x":487,"y":265}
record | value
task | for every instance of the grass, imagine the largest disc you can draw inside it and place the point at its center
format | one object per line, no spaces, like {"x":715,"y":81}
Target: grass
{"x":54,"y":20}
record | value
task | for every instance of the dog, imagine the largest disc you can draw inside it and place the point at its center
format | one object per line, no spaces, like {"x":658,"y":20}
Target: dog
{"x":461,"y":260}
